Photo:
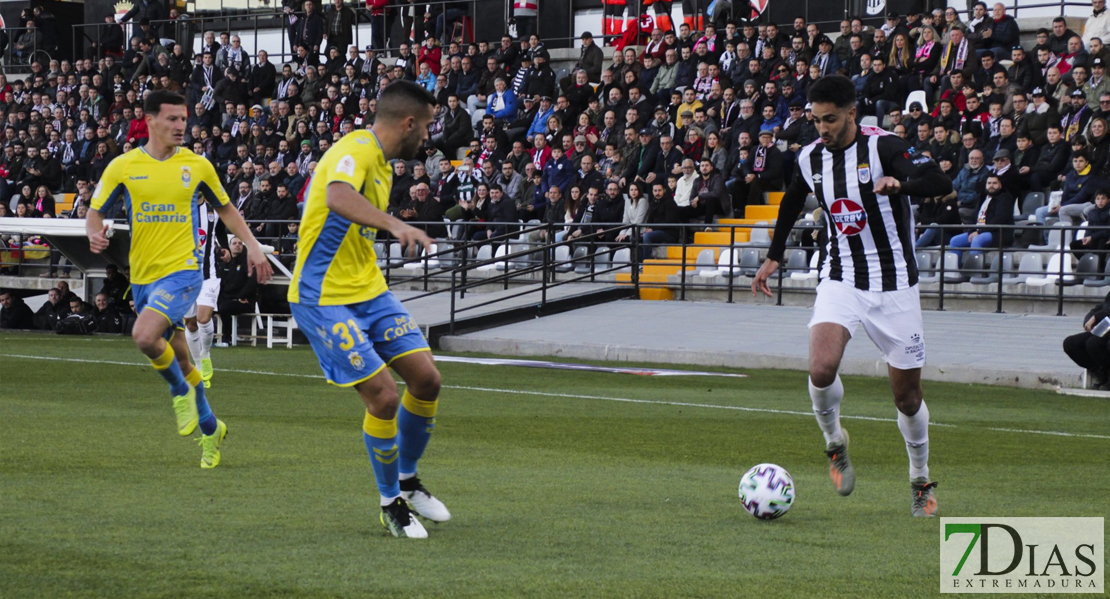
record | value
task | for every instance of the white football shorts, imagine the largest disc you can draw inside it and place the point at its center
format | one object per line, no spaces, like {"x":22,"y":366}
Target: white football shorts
{"x":892,"y":319}
{"x":209,"y":294}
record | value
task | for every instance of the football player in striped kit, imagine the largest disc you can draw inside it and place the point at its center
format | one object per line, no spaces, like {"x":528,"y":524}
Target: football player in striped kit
{"x":863,"y":178}
{"x":200,"y":329}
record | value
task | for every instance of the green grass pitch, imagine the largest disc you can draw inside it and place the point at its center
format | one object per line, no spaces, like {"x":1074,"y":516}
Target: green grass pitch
{"x":557,"y":488}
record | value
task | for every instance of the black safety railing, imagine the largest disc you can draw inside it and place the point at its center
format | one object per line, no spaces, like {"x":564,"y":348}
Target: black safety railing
{"x":18,"y":59}
{"x":253,"y":26}
{"x":946,"y":272}
{"x":535,"y":258}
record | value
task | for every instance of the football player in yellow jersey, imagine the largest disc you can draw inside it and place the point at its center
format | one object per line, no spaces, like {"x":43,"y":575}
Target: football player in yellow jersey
{"x":355,"y":325}
{"x":161,"y":185}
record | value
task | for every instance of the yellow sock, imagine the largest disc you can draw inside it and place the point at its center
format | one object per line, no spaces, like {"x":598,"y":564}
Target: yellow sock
{"x":163,"y":361}
{"x":193,"y":378}
{"x":376,"y":427}
{"x":419,"y":407}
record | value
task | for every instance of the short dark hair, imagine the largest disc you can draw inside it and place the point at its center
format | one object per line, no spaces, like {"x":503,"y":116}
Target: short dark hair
{"x":1081,"y":154}
{"x":153,"y":102}
{"x":402,"y":99}
{"x":837,"y":90}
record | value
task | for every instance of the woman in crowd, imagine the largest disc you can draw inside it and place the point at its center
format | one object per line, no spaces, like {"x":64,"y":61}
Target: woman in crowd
{"x":635,"y":211}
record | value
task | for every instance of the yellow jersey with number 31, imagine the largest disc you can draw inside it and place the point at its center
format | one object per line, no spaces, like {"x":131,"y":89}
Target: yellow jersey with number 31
{"x":162,"y":198}
{"x":336,"y":264}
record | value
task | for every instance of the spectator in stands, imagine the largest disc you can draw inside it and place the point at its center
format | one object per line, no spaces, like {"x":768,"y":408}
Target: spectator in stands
{"x":1077,"y":192}
{"x":661,"y":211}
{"x":1096,"y":238}
{"x":105,"y":315}
{"x":52,"y":311}
{"x":997,"y":208}
{"x":1090,"y":351}
{"x":965,"y":188}
{"x":237,"y":288}
{"x":14,"y":312}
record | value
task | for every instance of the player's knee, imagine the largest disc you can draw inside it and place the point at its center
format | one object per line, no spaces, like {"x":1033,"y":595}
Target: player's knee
{"x":380,"y":397}
{"x":427,"y":386}
{"x":907,"y":398}
{"x":821,"y":374}
{"x":146,"y":341}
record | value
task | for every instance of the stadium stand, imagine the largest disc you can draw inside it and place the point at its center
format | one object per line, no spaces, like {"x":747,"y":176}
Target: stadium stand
{"x":662,"y":166}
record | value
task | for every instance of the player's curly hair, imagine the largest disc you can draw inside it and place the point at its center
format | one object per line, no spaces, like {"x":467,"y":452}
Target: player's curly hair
{"x":837,"y":90}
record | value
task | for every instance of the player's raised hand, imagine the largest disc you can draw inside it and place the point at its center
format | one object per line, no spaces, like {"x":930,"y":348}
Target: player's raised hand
{"x":759,"y":283}
{"x":887,"y":186}
{"x":409,"y":236}
{"x":258,"y":264}
{"x":98,"y":242}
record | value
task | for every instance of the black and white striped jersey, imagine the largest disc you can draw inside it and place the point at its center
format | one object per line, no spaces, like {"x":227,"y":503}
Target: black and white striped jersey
{"x":207,"y":221}
{"x":871,"y":236}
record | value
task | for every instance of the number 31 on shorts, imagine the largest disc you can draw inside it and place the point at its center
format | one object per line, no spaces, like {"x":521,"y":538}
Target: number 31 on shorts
{"x":343,"y":329}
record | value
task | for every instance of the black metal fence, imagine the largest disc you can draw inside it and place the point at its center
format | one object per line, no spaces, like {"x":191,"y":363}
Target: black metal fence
{"x":533,"y":257}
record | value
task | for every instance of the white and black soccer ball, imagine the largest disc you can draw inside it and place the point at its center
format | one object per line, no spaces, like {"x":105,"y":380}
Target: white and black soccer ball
{"x":767,"y":491}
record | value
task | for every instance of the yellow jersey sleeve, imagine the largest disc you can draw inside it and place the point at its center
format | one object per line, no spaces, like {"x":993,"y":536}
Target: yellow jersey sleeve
{"x":352,"y":166}
{"x":209,"y":186}
{"x":112,"y":189}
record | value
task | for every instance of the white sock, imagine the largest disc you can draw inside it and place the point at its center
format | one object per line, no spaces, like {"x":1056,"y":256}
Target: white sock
{"x":207,"y":332}
{"x":405,"y":475}
{"x":915,"y":430}
{"x":826,"y":406}
{"x":192,"y":339}
{"x":388,"y":500}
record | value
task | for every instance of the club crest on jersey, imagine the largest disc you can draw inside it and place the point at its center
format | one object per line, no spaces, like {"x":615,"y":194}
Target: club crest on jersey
{"x":848,"y":216}
{"x":864,"y":171}
{"x":186,"y":176}
{"x":356,"y":360}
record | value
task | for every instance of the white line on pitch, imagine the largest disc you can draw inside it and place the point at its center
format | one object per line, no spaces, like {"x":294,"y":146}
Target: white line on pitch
{"x":576,"y":396}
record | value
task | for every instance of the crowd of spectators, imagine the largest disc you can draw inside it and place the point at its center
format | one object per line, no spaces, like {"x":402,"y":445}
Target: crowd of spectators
{"x":685,"y":127}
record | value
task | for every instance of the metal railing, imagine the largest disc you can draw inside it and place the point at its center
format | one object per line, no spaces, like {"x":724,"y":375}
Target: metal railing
{"x":993,"y":280}
{"x":534,"y":262}
{"x":19,"y":61}
{"x":253,"y":26}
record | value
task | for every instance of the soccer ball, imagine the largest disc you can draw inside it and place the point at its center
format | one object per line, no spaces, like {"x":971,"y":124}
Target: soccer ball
{"x":767,"y":491}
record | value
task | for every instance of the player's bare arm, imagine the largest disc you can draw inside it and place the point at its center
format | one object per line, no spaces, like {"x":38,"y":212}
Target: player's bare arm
{"x":97,"y":230}
{"x":257,"y":262}
{"x":351,"y":205}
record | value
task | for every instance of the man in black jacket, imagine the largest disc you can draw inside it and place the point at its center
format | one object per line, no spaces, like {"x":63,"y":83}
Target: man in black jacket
{"x":880,"y":92}
{"x":711,"y":197}
{"x":14,"y":312}
{"x":237,"y":287}
{"x":1052,"y":161}
{"x":262,"y":79}
{"x":1090,"y":351}
{"x":107,"y":318}
{"x":763,"y":171}
{"x":591,"y":60}
{"x":52,"y":311}
{"x":457,"y":131}
{"x":309,"y":29}
{"x":150,"y":10}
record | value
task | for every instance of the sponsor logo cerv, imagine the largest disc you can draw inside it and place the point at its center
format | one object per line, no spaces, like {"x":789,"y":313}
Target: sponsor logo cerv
{"x":1022,"y":555}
